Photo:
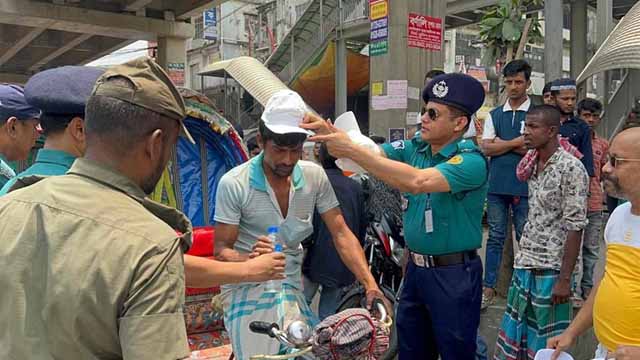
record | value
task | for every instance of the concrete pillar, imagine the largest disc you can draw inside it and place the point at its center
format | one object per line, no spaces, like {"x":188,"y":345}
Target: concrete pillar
{"x":402,"y":62}
{"x":172,"y":55}
{"x":341,"y":77}
{"x":579,"y":42}
{"x":553,"y":11}
{"x":604,"y":25}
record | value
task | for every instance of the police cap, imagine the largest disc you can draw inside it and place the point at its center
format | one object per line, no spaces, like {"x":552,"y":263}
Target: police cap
{"x":63,"y":90}
{"x":14,"y":104}
{"x":151,"y":89}
{"x":460,"y":91}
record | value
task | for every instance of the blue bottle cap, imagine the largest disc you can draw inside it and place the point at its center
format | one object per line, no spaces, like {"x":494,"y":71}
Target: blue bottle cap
{"x":273,"y":230}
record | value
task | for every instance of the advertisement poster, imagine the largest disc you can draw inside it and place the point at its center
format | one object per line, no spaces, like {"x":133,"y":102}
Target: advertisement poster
{"x":378,"y":9}
{"x":210,"y":25}
{"x":176,"y":73}
{"x":377,"y":88}
{"x":379,"y":48}
{"x":424,"y":32}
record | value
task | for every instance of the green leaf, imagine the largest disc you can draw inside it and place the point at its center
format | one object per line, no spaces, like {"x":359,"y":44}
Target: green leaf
{"x":491,"y":22}
{"x":510,"y":31}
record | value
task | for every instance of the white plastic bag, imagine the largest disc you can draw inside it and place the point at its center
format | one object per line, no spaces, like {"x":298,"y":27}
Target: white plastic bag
{"x":347,"y":122}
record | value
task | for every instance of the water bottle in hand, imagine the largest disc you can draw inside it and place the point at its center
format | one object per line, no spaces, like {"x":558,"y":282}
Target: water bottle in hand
{"x":274,"y":285}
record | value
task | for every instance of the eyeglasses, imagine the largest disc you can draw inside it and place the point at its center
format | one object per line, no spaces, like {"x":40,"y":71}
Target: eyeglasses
{"x":433,"y":114}
{"x":613,"y":160}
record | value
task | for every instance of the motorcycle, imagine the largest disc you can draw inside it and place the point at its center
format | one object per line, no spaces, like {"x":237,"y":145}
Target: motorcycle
{"x":384,"y":248}
{"x":299,"y":339}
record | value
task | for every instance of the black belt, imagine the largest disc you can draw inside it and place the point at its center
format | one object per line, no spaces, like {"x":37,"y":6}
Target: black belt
{"x":429,"y":261}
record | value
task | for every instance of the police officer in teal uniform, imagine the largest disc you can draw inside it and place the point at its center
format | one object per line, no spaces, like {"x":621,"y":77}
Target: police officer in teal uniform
{"x":61,"y":94}
{"x":444,"y":178}
{"x":18,"y":128}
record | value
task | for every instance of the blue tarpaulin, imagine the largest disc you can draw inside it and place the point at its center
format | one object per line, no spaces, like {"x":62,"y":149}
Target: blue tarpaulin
{"x":214,"y":154}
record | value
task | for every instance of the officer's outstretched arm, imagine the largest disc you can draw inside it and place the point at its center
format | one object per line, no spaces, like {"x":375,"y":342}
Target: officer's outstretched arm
{"x":399,"y":175}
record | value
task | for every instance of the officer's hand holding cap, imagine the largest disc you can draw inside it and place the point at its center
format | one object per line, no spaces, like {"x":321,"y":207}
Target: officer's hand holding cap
{"x":153,"y":90}
{"x":14,"y":104}
{"x":63,"y":90}
{"x":460,"y":91}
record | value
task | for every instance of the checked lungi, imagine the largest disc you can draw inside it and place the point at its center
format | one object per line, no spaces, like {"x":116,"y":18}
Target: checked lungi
{"x":248,"y":303}
{"x":530,"y":318}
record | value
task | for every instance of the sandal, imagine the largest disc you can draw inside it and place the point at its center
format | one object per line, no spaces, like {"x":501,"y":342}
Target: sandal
{"x":487,"y":300}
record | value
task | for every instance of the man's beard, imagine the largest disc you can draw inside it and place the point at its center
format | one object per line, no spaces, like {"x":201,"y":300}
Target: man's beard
{"x":149,"y":184}
{"x":614,"y":190}
{"x":282,"y":171}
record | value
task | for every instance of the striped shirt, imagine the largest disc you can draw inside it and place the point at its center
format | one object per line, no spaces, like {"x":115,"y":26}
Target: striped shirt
{"x":245,"y":198}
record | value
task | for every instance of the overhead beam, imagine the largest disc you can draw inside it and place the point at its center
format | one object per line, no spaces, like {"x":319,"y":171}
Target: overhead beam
{"x":10,"y":78}
{"x":86,"y":21}
{"x":135,"y":5}
{"x":63,"y":49}
{"x":20,"y":44}
{"x":458,"y":6}
{"x":106,"y":52}
{"x":186,"y":9}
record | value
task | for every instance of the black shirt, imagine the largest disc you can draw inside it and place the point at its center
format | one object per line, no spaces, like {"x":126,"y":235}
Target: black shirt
{"x":579,"y":135}
{"x":322,"y":264}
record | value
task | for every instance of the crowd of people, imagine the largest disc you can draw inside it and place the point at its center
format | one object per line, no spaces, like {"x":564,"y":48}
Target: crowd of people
{"x":94,"y":269}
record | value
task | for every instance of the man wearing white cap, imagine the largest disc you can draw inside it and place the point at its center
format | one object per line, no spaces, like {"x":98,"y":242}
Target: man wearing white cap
{"x":276,"y":188}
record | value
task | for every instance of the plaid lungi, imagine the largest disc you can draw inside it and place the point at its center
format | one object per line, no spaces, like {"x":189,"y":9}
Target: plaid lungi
{"x":530,"y":318}
{"x":248,"y":303}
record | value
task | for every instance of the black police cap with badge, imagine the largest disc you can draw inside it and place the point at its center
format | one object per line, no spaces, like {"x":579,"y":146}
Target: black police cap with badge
{"x":464,"y":93}
{"x":62,"y":91}
{"x":459,"y":91}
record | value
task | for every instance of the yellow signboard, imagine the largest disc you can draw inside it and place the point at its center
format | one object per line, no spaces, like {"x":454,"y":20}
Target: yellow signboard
{"x":376,"y":88}
{"x":378,"y":9}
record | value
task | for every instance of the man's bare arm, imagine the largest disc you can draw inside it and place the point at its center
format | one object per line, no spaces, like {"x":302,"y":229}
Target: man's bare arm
{"x":205,"y":273}
{"x":497,"y":146}
{"x":349,"y":248}
{"x":562,"y":287}
{"x":226,"y":237}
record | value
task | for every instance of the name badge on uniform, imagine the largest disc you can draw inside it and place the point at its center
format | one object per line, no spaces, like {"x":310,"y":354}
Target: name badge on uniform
{"x":428,"y":216}
{"x":428,"y":220}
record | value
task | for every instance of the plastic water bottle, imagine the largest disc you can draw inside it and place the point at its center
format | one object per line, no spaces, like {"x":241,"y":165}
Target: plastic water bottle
{"x":274,"y":285}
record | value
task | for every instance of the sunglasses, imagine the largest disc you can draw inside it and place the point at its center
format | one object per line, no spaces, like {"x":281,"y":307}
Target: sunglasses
{"x":433,"y":114}
{"x":613,"y":160}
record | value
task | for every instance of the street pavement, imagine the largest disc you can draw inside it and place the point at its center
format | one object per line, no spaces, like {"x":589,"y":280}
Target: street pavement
{"x":491,"y":318}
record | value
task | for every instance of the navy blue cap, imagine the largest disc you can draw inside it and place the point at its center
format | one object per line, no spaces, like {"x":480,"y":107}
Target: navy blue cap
{"x":563,"y":84}
{"x":62,"y":91}
{"x":460,"y":91}
{"x":14,"y":104}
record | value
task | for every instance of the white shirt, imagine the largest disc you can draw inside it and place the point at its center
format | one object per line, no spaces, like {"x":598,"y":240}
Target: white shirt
{"x":489,"y":132}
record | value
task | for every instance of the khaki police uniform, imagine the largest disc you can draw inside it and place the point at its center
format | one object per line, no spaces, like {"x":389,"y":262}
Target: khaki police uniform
{"x":91,"y":268}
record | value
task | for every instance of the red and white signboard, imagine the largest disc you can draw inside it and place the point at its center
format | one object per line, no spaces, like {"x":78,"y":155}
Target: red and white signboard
{"x":425,"y":32}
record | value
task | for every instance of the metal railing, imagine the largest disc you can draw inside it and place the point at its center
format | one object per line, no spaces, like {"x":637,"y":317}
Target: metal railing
{"x":329,"y":20}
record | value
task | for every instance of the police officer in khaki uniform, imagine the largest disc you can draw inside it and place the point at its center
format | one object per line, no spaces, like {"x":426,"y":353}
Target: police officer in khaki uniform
{"x":92,"y":269}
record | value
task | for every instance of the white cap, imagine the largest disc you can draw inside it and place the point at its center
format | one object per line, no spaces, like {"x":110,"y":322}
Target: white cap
{"x":284,"y":113}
